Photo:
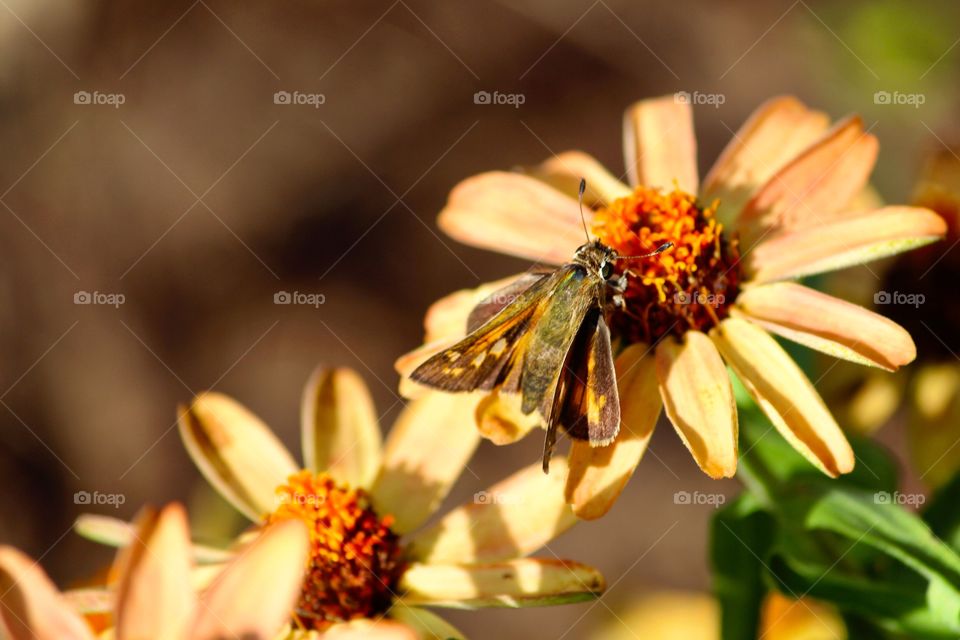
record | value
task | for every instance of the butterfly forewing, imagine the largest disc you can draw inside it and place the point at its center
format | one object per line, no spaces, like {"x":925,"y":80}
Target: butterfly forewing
{"x":501,"y":298}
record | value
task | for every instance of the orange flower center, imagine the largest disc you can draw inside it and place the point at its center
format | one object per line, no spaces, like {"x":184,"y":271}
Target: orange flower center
{"x":690,"y":286}
{"x":355,"y":559}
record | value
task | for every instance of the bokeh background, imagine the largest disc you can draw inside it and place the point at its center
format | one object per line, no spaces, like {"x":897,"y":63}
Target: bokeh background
{"x":198,"y":199}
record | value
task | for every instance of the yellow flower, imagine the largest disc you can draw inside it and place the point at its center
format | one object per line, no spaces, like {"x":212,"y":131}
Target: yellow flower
{"x":773,"y":208}
{"x":918,"y":290}
{"x":665,"y":615}
{"x":373,"y":564}
{"x":155,"y":596}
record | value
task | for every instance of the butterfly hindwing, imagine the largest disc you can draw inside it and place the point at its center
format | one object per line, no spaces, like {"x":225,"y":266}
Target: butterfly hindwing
{"x":591,"y":406}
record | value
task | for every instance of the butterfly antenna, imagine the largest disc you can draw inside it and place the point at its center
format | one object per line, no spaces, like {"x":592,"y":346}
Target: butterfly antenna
{"x":583,"y":187}
{"x":658,"y":250}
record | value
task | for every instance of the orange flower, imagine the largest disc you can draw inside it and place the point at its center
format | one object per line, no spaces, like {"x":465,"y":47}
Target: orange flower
{"x":154,"y":596}
{"x":776,"y":206}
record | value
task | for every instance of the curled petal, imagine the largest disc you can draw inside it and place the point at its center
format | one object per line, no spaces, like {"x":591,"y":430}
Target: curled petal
{"x":828,"y":324}
{"x":784,"y":393}
{"x":236,"y":452}
{"x":659,"y":144}
{"x":515,"y":214}
{"x":501,"y":420}
{"x":426,"y":451}
{"x":565,"y":170}
{"x":598,"y":474}
{"x":340,"y":432}
{"x":698,"y":399}
{"x":773,"y":135}
{"x":843,"y":242}
{"x":31,"y":608}
{"x":526,"y":582}
{"x":512,"y":518}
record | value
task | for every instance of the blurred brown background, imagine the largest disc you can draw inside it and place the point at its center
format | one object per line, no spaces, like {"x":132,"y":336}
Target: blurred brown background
{"x":198,"y":199}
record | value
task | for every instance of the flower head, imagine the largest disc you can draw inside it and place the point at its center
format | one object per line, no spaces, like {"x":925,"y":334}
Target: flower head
{"x":373,"y":563}
{"x":778,"y":205}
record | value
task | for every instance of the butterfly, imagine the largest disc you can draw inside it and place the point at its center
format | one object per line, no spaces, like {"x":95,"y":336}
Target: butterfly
{"x":546,"y":337}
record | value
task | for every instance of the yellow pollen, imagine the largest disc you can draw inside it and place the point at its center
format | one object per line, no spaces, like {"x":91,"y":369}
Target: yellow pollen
{"x":688,"y":287}
{"x":355,"y":559}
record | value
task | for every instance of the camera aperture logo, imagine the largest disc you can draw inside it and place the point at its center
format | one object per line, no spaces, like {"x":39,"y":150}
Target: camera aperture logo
{"x":899,"y":98}
{"x":99,"y":298}
{"x":299,"y":298}
{"x":299,"y":98}
{"x":896,"y":297}
{"x":96,"y":498}
{"x":698,"y":498}
{"x":512,"y":99}
{"x":712,"y":99}
{"x":97,"y":98}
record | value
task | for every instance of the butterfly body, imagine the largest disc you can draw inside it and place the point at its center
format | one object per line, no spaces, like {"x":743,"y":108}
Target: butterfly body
{"x":545,"y":337}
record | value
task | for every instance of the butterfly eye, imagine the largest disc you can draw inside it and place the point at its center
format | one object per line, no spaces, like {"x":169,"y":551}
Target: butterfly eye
{"x":606,"y":270}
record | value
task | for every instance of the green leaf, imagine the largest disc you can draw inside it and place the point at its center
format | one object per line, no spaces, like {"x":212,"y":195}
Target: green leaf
{"x":740,"y":535}
{"x":943,"y":514}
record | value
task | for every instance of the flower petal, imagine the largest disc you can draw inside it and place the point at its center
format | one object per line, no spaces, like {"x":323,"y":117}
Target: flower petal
{"x":501,"y":420}
{"x":91,"y":601}
{"x":341,"y":435}
{"x":514,"y":214}
{"x":114,"y":532}
{"x":784,"y":393}
{"x":843,"y":242}
{"x":565,"y":170}
{"x":816,"y":184}
{"x":598,"y":474}
{"x":255,"y":594}
{"x":659,"y":144}
{"x":155,"y":598}
{"x":525,"y":582}
{"x":366,"y":630}
{"x":31,"y":608}
{"x":236,"y":452}
{"x":698,"y":399}
{"x":512,"y":518}
{"x":773,"y":135}
{"x":426,"y":451}
{"x":426,"y":624}
{"x":828,"y":324}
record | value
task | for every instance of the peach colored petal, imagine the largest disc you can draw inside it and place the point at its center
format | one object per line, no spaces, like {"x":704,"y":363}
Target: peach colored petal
{"x":514,"y":214}
{"x":598,"y":474}
{"x":659,"y":144}
{"x":512,"y":518}
{"x":447,"y":317}
{"x":844,"y":242}
{"x":501,"y":420}
{"x":564,"y":171}
{"x":368,"y":630}
{"x":31,"y":608}
{"x":828,"y":324}
{"x":236,"y":452}
{"x":815,"y":185}
{"x":784,"y":393}
{"x":340,"y":431}
{"x":155,"y":598}
{"x":774,"y":134}
{"x":90,"y":601}
{"x":698,"y":399}
{"x":426,"y":624}
{"x":427,"y":449}
{"x":525,"y":582}
{"x":115,"y":532}
{"x":255,"y":594}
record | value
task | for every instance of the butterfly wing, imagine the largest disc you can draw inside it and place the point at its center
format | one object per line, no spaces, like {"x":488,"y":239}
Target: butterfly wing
{"x":591,"y":406}
{"x":488,"y":355}
{"x":501,"y":298}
